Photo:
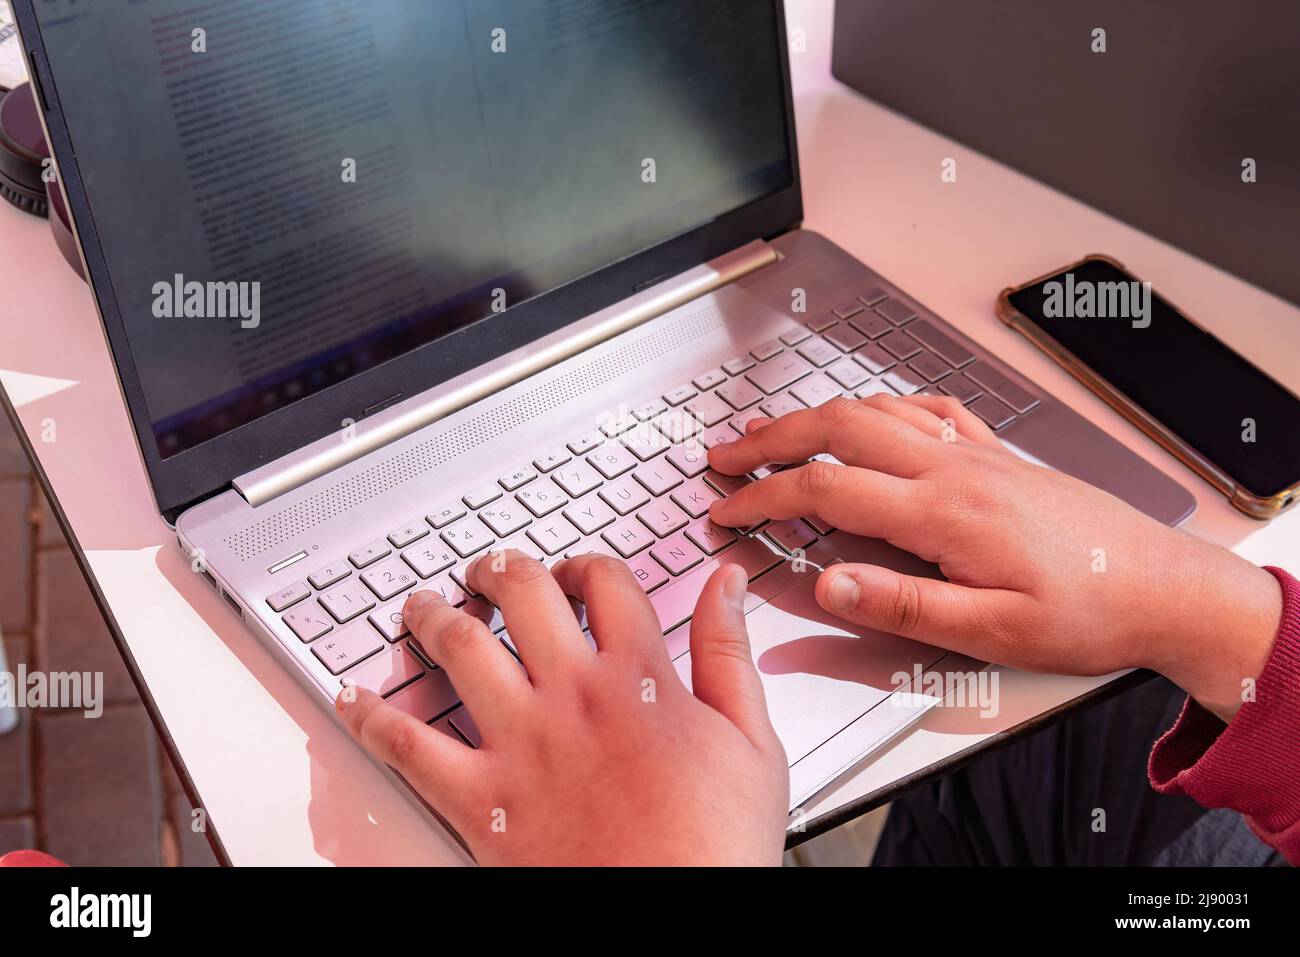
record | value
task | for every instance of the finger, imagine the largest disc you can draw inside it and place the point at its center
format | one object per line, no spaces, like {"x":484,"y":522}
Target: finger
{"x":442,"y":769}
{"x":972,"y":621}
{"x":486,"y":677}
{"x":538,"y":617}
{"x":620,"y":616}
{"x":946,"y":414}
{"x":723,"y":675}
{"x":852,"y":432}
{"x":858,"y":501}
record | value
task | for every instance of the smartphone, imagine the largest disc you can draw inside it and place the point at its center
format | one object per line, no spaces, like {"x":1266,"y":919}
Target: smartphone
{"x":1222,"y":417}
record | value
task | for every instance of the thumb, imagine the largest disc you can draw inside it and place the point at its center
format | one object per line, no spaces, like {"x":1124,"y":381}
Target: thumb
{"x":928,"y":609}
{"x":722,"y":667}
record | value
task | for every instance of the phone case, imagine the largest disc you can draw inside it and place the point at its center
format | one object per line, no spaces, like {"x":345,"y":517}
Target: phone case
{"x":1256,"y":506}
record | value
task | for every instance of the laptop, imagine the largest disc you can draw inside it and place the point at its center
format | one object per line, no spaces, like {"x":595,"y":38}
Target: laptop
{"x":391,"y":286}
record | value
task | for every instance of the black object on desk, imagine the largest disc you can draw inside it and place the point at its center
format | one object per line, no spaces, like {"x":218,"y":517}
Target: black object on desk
{"x":1156,"y":130}
{"x":22,"y":152}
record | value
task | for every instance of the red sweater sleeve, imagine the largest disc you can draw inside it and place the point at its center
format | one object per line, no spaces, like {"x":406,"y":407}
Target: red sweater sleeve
{"x":1253,"y":764}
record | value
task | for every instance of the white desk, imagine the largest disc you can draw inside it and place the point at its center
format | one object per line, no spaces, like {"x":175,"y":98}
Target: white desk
{"x":279,"y":781}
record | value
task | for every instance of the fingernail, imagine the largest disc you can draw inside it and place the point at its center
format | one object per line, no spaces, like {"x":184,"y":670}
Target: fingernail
{"x":417,"y":603}
{"x":843,"y":593}
{"x":735,"y":587}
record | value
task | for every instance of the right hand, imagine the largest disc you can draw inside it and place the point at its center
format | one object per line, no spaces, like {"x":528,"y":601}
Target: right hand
{"x":1045,"y":572}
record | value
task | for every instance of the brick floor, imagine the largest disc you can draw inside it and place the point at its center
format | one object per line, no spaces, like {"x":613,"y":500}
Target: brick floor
{"x":89,"y":791}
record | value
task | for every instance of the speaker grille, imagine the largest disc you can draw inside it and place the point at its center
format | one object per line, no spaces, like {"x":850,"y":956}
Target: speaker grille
{"x":419,"y":459}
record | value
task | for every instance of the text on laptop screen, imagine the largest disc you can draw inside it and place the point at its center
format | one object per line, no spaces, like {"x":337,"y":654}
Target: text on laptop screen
{"x":290,"y":193}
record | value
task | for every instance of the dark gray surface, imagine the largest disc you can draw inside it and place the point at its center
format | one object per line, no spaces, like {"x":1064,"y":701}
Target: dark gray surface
{"x":1152,"y":131}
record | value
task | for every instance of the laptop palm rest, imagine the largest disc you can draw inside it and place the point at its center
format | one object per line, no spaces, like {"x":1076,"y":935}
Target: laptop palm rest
{"x":825,"y":678}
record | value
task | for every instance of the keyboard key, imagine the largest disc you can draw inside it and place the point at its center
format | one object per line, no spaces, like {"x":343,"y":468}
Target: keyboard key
{"x":410,"y":532}
{"x":482,"y":495}
{"x":612,"y":460}
{"x":993,"y":412}
{"x":648,"y":410}
{"x":675,"y":602}
{"x":451,"y":591}
{"x":766,"y":350}
{"x":875,"y":387}
{"x":824,"y":321}
{"x":628,"y":537}
{"x":1006,"y":390}
{"x":551,"y":460}
{"x":542,"y":497}
{"x":846,"y":309}
{"x":900,"y":345}
{"x":520,"y":476}
{"x":943,"y":345}
{"x":645,"y":442}
{"x":467,"y":536}
{"x":308,"y":622}
{"x":873,"y":295}
{"x":844,"y":337}
{"x":624,"y":495}
{"x":347,"y":646}
{"x":677,"y":425}
{"x":819,"y":352}
{"x":388,"y":619}
{"x":709,"y":379}
{"x":663,"y":518}
{"x":710,"y":538}
{"x":464,"y":725}
{"x":677,"y":554}
{"x":590,"y":516}
{"x":553,"y":535}
{"x":717,"y":435}
{"x":874,"y":358}
{"x":690,"y":458}
{"x":648,"y":572}
{"x":331,"y":573}
{"x":737,"y":365}
{"x":847,"y":373}
{"x":932,"y":368}
{"x":871,"y":325}
{"x":444,"y":515}
{"x":895,"y":311}
{"x":741,"y":419}
{"x":585,"y":443}
{"x":815,"y":390}
{"x":429,"y":559}
{"x":903,"y":380}
{"x":388,"y":578}
{"x":290,"y":594}
{"x":659,"y":478}
{"x":385,"y":673}
{"x":577,"y":479}
{"x":780,"y":405}
{"x":369,"y":554}
{"x":739,"y":394}
{"x":790,"y":534}
{"x":347,"y":600}
{"x":679,"y":395}
{"x":709,"y":409}
{"x":961,"y":388}
{"x":505,"y":517}
{"x":795,"y":336}
{"x":695,"y":497}
{"x":725,"y":485}
{"x":430,"y":697}
{"x":779,"y":373}
{"x":615,"y":425}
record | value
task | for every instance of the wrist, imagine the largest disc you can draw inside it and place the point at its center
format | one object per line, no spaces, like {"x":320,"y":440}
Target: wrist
{"x":1221,"y":618}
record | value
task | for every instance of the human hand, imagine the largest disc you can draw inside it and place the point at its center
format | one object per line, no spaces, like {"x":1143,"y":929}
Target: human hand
{"x":593,"y":755}
{"x":1045,"y":572}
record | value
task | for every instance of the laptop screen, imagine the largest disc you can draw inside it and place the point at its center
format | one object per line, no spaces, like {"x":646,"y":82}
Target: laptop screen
{"x":288,"y":194}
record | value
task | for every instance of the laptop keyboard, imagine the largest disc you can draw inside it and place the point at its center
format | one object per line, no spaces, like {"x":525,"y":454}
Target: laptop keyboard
{"x":638,"y":488}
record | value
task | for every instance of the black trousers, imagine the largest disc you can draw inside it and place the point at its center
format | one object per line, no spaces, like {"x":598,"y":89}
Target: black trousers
{"x":1075,"y":793}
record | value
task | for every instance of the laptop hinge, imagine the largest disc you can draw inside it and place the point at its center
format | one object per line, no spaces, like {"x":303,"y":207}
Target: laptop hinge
{"x":328,"y":453}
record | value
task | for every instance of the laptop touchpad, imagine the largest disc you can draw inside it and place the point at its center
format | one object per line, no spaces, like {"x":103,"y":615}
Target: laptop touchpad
{"x":820,"y":673}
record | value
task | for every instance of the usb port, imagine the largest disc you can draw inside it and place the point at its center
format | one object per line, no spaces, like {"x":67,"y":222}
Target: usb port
{"x":232,"y":603}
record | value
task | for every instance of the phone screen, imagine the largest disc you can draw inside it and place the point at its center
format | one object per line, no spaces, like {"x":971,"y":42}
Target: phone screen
{"x":1214,"y":400}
